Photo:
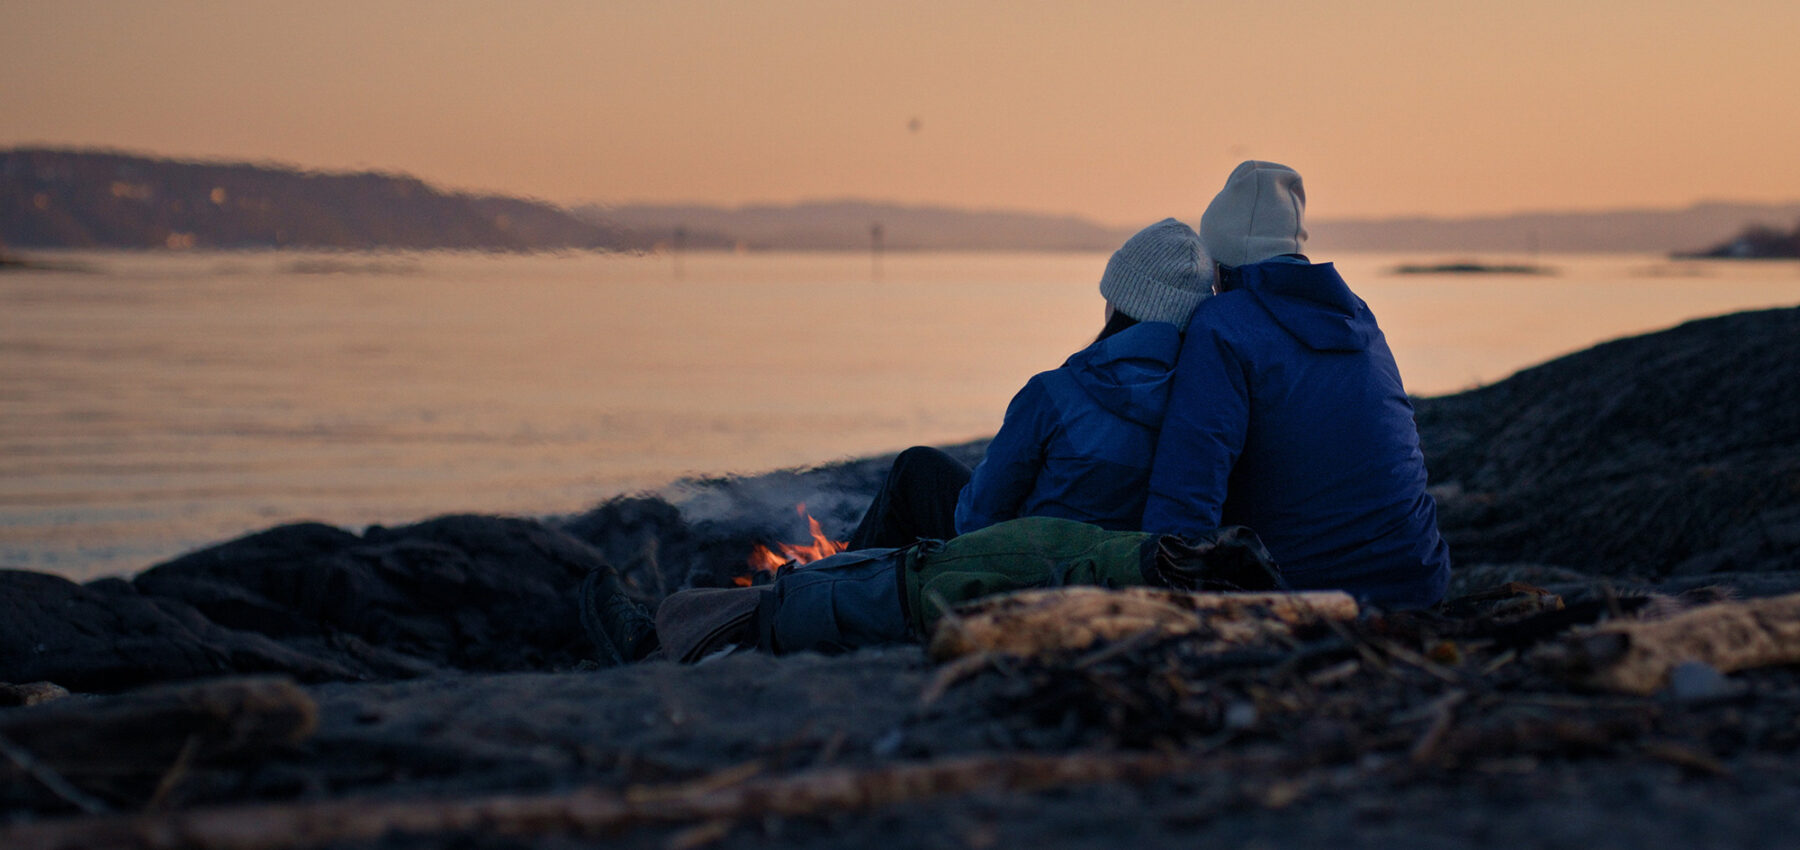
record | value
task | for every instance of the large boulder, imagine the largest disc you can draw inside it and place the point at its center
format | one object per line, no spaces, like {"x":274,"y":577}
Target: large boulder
{"x":1672,"y":453}
{"x":462,"y":592}
{"x":466,"y":593}
{"x":105,"y":636}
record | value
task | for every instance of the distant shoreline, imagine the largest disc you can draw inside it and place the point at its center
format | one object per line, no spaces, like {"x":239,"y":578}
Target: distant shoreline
{"x":72,"y":198}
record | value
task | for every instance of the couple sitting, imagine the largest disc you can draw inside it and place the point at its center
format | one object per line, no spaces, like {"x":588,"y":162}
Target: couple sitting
{"x":1273,"y":404}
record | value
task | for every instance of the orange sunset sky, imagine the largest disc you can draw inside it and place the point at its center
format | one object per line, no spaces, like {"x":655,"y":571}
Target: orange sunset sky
{"x":1122,"y":112}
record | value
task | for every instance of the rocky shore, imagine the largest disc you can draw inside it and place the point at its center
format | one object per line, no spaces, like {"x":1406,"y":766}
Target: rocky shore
{"x":430,"y":685}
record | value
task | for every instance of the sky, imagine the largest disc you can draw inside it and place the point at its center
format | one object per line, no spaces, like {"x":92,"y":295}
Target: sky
{"x":1122,"y":112}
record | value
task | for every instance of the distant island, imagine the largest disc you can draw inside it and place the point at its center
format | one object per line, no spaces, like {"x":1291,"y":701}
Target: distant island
{"x":99,"y":199}
{"x":1755,"y":243}
{"x":845,"y":225}
{"x":1471,"y":267}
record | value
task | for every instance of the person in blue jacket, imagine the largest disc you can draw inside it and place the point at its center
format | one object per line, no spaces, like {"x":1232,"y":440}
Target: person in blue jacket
{"x":1077,"y":441}
{"x":1287,"y":414}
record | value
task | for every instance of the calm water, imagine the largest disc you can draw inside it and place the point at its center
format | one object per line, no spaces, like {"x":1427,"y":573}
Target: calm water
{"x":158,"y":403}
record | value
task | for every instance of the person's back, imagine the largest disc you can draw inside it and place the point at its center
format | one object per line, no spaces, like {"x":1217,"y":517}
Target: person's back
{"x":1288,"y":416}
{"x":1079,"y":438}
{"x":1077,"y":441}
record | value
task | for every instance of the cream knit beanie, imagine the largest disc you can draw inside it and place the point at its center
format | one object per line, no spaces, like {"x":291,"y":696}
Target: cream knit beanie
{"x":1256,"y":216}
{"x":1159,"y":275}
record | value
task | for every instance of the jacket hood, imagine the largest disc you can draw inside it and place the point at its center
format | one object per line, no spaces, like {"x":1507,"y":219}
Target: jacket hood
{"x":1128,"y":373}
{"x":1312,"y":302}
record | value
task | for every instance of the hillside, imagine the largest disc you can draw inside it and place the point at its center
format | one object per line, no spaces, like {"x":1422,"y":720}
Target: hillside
{"x":91,"y":199}
{"x":845,"y":225}
{"x":1759,"y":242}
{"x":1643,"y":230}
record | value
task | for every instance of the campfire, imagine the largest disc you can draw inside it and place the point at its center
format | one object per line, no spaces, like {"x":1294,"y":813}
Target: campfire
{"x":764,"y":559}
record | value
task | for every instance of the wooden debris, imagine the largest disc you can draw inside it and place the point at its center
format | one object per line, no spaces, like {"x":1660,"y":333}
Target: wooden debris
{"x":1035,"y":622}
{"x":136,"y":746}
{"x":44,"y":775}
{"x":1511,"y":601}
{"x":1636,"y":657}
{"x":594,"y":811}
{"x":31,"y":693}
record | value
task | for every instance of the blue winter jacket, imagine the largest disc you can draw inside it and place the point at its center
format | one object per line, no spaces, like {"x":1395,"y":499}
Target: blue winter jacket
{"x":1287,"y":416}
{"x":1077,"y":440}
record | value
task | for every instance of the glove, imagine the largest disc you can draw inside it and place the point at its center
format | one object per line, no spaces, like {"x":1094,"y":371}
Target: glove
{"x":1229,"y":558}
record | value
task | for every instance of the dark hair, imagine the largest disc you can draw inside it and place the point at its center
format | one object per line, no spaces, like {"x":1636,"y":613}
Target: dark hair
{"x":1118,"y":322}
{"x":1228,"y":277}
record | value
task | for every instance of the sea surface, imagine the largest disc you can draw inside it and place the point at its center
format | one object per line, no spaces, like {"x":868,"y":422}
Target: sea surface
{"x":154,"y":403}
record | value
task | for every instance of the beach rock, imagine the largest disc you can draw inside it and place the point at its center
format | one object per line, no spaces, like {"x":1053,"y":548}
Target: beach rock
{"x":1694,"y":681}
{"x":464,"y":593}
{"x":457,"y":592}
{"x":1672,"y":453}
{"x":107,"y":637}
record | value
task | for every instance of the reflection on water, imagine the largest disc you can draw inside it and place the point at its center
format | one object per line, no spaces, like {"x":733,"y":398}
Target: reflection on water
{"x":170,"y":401}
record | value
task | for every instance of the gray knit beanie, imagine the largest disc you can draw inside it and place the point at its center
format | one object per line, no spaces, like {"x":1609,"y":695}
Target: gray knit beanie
{"x":1159,"y":275}
{"x":1256,"y":216}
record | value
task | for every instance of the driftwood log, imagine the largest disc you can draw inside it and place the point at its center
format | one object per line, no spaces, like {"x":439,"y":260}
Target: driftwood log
{"x":714,"y":800}
{"x":1637,"y":657}
{"x":1035,"y":622}
{"x":130,"y":748}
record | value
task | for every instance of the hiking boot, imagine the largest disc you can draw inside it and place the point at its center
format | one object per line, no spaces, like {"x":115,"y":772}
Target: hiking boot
{"x":618,"y":627}
{"x":1232,"y":558}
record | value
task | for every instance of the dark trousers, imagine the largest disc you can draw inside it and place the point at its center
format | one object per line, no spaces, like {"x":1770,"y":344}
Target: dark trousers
{"x":918,"y":500}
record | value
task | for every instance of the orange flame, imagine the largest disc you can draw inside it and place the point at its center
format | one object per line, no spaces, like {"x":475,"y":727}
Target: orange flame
{"x":762,"y":558}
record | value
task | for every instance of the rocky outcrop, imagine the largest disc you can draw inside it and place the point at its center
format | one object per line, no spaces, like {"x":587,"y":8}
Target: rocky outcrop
{"x":463,"y":593}
{"x":1758,"y":242}
{"x":1673,"y":453}
{"x":105,"y":636}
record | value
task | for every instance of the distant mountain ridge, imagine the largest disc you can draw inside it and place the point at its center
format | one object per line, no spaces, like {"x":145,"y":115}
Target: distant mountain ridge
{"x":102,"y":199}
{"x":846,"y":225}
{"x":1646,"y":230}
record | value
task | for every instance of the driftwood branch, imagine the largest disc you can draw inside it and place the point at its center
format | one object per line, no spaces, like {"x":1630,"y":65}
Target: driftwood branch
{"x":48,"y":777}
{"x":1072,"y":618}
{"x":31,"y":693}
{"x":138,"y":745}
{"x":736,"y":794}
{"x":1637,"y":657}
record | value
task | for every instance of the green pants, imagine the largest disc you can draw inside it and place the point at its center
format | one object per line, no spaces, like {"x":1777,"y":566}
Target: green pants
{"x":1018,"y":555}
{"x":869,"y":597}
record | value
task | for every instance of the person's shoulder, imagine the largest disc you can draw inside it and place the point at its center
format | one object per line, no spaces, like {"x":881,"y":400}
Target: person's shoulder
{"x":1223,"y":312}
{"x":1040,"y":386}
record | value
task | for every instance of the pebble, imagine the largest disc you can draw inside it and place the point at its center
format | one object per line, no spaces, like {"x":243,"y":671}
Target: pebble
{"x":1693,"y":681}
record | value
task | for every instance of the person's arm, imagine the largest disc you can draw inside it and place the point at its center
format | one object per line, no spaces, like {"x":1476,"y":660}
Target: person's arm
{"x":1008,"y":472}
{"x":1202,"y":436}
